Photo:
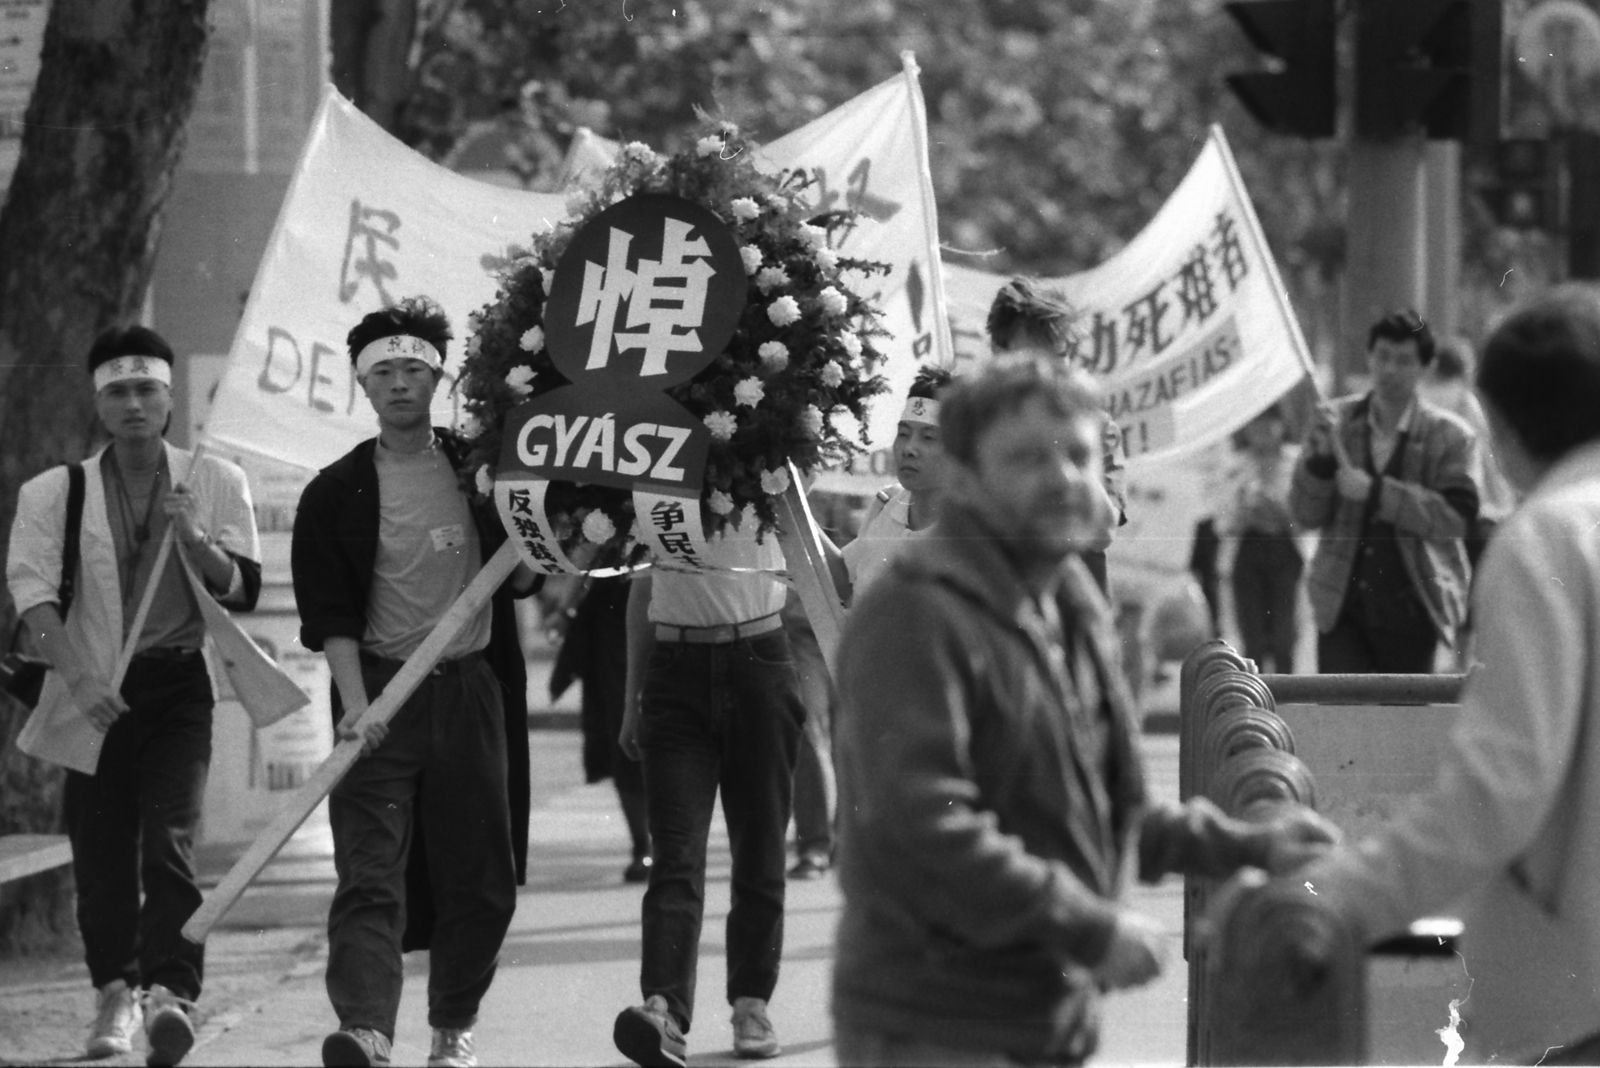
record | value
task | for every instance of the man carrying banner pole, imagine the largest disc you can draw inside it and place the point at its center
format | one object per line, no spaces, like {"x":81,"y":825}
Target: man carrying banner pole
{"x":136,"y":737}
{"x":430,"y":825}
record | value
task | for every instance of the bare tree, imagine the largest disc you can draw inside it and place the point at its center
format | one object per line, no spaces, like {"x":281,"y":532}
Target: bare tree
{"x":102,"y":138}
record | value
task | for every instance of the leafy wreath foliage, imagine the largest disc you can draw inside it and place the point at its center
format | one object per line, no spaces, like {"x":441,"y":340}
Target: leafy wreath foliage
{"x":790,"y":386}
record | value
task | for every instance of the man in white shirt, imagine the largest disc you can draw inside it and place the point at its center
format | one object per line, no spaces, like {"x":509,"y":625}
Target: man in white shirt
{"x":713,"y":705}
{"x":133,"y":818}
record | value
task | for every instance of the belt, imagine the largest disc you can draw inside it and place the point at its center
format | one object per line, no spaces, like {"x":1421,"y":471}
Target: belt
{"x":727,"y":632}
{"x":168,"y":654}
{"x":441,"y":669}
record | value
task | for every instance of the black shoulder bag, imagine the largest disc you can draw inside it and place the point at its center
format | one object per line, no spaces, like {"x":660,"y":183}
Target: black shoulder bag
{"x":22,"y":675}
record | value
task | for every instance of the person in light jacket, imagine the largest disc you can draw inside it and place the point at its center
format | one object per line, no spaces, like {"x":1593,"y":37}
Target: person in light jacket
{"x":137,"y":754}
{"x":1510,"y":831}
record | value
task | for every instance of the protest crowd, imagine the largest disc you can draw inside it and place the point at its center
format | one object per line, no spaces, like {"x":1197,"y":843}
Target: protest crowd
{"x":925,"y":686}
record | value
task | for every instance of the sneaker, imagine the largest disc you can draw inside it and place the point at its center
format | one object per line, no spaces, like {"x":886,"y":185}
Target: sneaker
{"x":116,"y":1021}
{"x":811,"y":865}
{"x":452,"y":1048}
{"x":753,"y":1036}
{"x":648,"y":1035}
{"x":355,"y":1047}
{"x":167,"y":1026}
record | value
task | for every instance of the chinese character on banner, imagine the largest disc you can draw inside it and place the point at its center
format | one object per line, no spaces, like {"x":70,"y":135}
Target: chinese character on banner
{"x":364,"y":227}
{"x":665,"y":515}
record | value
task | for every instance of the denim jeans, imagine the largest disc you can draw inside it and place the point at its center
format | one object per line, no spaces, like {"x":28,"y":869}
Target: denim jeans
{"x":722,"y":716}
{"x":132,"y":825}
{"x":444,"y":765}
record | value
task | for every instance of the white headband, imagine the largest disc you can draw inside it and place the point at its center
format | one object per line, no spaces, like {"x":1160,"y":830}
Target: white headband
{"x":397,"y":347}
{"x":921,"y":410}
{"x":128,"y":368}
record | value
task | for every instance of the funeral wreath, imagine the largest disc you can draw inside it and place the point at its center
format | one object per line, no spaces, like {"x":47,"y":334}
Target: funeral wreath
{"x":788,"y":386}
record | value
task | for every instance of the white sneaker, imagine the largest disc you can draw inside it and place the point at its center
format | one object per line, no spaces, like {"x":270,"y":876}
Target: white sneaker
{"x":116,"y":1021}
{"x":452,"y":1048}
{"x":167,"y":1027}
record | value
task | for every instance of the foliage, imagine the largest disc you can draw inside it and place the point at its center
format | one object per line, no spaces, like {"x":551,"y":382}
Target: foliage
{"x":1056,"y":126}
{"x":789,"y":387}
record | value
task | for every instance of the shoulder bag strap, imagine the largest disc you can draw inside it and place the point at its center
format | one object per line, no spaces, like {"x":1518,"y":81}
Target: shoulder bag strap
{"x":69,"y":551}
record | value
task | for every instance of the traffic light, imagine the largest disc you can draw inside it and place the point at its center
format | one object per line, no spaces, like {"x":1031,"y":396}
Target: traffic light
{"x":1524,"y":194}
{"x":1432,"y":64}
{"x":1297,"y":98}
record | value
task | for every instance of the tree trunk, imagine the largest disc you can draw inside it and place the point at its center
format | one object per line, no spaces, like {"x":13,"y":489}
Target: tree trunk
{"x":102,"y":138}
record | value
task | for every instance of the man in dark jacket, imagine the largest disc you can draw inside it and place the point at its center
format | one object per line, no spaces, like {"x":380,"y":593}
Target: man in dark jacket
{"x":431,"y":824}
{"x":990,"y":779}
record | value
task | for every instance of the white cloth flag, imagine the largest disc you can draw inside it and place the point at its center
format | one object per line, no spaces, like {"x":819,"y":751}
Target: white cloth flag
{"x":1188,"y":328}
{"x":366,"y":222}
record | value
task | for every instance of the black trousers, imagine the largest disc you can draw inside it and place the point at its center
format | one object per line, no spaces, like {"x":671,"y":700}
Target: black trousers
{"x":443,"y":765}
{"x":1266,"y":588}
{"x":1353,"y":647}
{"x":132,"y":825}
{"x":717,"y":717}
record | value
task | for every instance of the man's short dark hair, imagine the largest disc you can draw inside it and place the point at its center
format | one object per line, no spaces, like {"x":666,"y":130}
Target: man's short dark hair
{"x":930,"y":382}
{"x":1452,"y":358}
{"x":1541,"y":371}
{"x":127,"y":341}
{"x":1401,"y":326}
{"x":413,"y":317}
{"x":1026,"y":312}
{"x":977,"y":402}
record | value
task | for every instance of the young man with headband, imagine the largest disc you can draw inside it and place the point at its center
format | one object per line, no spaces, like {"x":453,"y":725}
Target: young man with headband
{"x":133,"y":821}
{"x":431,"y":824}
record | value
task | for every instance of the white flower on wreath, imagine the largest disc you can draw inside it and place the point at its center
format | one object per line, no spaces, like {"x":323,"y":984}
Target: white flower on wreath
{"x":578,"y":202}
{"x":783,"y":311}
{"x":811,"y":420}
{"x":845,"y":423}
{"x":832,"y":374}
{"x":752,"y":258}
{"x":719,"y":503}
{"x":774,"y":355}
{"x":826,"y":258}
{"x":709,"y":145}
{"x":638,"y":152}
{"x":484,"y":481}
{"x":833,"y":302}
{"x":745,"y":209}
{"x":520,"y":379}
{"x":815,"y":236}
{"x":850,"y":341}
{"x":771,"y":277}
{"x":749,"y":392}
{"x":598,"y":527}
{"x":532,"y":339}
{"x":775,"y":481}
{"x":474,"y":343}
{"x":721,"y":424}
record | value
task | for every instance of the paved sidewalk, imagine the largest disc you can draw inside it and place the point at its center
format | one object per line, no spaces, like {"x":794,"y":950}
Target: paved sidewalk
{"x":569,"y":964}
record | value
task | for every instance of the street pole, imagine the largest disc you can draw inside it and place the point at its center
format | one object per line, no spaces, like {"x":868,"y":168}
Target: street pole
{"x":1443,"y":266}
{"x":1386,"y":259}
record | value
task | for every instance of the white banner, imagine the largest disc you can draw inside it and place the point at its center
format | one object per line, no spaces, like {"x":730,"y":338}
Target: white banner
{"x":1188,"y":328}
{"x":366,"y":222}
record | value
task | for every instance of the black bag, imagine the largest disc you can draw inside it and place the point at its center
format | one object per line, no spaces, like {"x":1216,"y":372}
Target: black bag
{"x":22,"y":675}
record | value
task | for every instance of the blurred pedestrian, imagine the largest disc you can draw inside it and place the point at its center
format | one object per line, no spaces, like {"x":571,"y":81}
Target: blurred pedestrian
{"x":991,"y":784}
{"x":1509,"y":834}
{"x":1029,"y":318}
{"x":133,"y":821}
{"x":430,"y":825}
{"x":588,"y":619}
{"x":1448,"y":385}
{"x":1267,"y":563}
{"x":1390,"y":481}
